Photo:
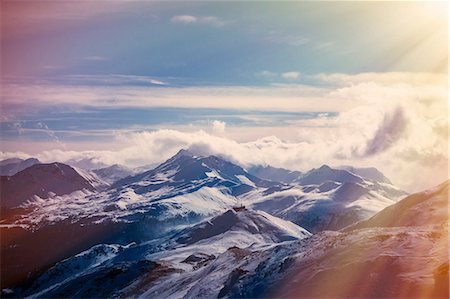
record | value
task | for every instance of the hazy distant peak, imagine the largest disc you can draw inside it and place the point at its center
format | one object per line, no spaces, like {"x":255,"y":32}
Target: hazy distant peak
{"x":368,"y":172}
{"x":275,"y":174}
{"x":10,"y":160}
{"x":12,"y":166}
{"x":324,"y":167}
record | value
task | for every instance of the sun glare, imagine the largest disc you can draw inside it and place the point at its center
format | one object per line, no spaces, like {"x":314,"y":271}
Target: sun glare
{"x":437,"y":9}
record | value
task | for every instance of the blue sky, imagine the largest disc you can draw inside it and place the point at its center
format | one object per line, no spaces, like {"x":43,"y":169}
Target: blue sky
{"x":223,"y":43}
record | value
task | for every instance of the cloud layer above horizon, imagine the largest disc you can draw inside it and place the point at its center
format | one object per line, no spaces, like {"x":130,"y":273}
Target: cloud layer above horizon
{"x":396,"y":122}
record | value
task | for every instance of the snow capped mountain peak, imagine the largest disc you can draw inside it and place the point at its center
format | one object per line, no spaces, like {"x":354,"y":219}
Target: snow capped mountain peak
{"x":185,"y":173}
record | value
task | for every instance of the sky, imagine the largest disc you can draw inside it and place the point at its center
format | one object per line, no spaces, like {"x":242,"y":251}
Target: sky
{"x":290,"y":84}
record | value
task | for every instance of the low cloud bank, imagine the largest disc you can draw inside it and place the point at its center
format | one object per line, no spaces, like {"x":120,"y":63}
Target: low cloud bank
{"x":396,"y":124}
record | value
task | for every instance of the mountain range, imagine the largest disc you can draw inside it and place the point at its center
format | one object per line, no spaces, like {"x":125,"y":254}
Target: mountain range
{"x":202,"y":226}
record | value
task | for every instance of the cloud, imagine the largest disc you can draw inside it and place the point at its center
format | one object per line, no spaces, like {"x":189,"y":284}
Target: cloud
{"x":218,"y":126}
{"x":116,"y":91}
{"x":188,"y":19}
{"x":95,"y":58}
{"x":287,"y":39}
{"x":325,"y":46}
{"x":50,"y":133}
{"x":184,"y":19}
{"x":110,"y":79}
{"x":157,"y":82}
{"x":267,"y":74}
{"x":291,"y":75}
{"x":386,"y":78}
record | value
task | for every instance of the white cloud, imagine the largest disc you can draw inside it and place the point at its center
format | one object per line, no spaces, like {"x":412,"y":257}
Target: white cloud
{"x":387,"y":78}
{"x":189,"y":19}
{"x":275,"y":98}
{"x":184,"y":19}
{"x":218,"y":126}
{"x":291,"y":75}
{"x":267,"y":74}
{"x":157,"y":82}
{"x":287,"y":39}
{"x":95,"y":58}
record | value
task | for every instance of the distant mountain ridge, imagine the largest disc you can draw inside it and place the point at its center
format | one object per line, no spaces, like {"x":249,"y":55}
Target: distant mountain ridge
{"x":12,"y":166}
{"x":369,"y":172}
{"x":43,"y":180}
{"x":113,"y":173}
{"x":275,"y":174}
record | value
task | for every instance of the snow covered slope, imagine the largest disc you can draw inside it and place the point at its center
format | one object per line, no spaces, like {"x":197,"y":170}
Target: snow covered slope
{"x":245,"y":254}
{"x":198,"y":260}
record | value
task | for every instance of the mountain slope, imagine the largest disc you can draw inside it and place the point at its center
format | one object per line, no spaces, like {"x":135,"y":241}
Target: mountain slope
{"x":372,"y":259}
{"x":424,"y":208}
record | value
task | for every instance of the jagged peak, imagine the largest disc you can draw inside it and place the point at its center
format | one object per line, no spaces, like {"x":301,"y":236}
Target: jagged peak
{"x":183,"y":152}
